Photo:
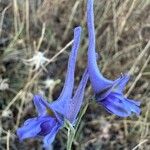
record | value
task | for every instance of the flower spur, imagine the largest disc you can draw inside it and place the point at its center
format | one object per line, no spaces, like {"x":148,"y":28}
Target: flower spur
{"x":108,"y":93}
{"x":51,"y":116}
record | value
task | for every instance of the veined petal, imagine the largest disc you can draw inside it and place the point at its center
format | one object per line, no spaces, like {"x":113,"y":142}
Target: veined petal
{"x":49,"y":138}
{"x":47,"y":126}
{"x":117,"y":104}
{"x":47,"y":108}
{"x":40,"y":107}
{"x":122,"y":84}
{"x":137,"y":103}
{"x":97,"y":80}
{"x":31,"y":127}
{"x":76,"y":102}
{"x":61,"y":104}
{"x":133,"y":106}
{"x":117,"y":85}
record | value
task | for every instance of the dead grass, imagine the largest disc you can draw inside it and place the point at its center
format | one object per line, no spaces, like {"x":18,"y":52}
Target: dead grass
{"x":123,"y":42}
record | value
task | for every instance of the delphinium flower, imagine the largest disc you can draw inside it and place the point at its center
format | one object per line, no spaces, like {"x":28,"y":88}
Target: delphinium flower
{"x":108,"y":93}
{"x":52,"y":116}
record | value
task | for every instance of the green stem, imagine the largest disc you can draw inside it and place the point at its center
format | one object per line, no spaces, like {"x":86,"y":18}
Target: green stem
{"x":81,"y":115}
{"x":71,"y":135}
{"x":72,"y":131}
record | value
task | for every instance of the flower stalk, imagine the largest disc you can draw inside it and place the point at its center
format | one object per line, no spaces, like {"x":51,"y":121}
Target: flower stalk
{"x":73,"y":130}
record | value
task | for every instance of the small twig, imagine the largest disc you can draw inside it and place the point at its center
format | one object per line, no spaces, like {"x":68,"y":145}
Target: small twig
{"x":131,"y":71}
{"x":35,"y":76}
{"x":144,"y":141}
{"x":61,"y":51}
{"x":8,"y":139}
{"x":42,"y":36}
{"x":19,"y":112}
{"x":123,"y":23}
{"x":139,"y":76}
{"x":27,"y":11}
{"x":16,"y":16}
{"x":2,"y":18}
{"x":118,"y":55}
{"x":71,"y":18}
{"x":12,"y":101}
{"x":145,"y":129}
{"x":115,"y":25}
{"x":122,"y":7}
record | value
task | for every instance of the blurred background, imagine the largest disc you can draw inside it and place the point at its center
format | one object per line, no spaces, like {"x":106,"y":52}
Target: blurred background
{"x":35,"y":42}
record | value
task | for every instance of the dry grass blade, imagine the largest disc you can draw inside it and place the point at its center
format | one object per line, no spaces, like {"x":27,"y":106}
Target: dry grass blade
{"x":34,"y":77}
{"x":140,"y":144}
{"x":124,"y":21}
{"x":74,"y":9}
{"x":41,"y":38}
{"x":2,"y":17}
{"x":37,"y":30}
{"x":138,"y":76}
{"x":138,"y":59}
{"x":8,"y":140}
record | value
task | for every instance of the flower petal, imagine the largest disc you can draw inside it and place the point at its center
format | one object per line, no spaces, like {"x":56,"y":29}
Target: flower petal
{"x":45,"y":108}
{"x":31,"y":127}
{"x":47,"y":126}
{"x":49,"y":138}
{"x":117,"y":85}
{"x":76,"y":102}
{"x":117,"y":104}
{"x":134,"y":106}
{"x":123,"y":82}
{"x":135,"y":102}
{"x":131,"y":104}
{"x":40,"y":107}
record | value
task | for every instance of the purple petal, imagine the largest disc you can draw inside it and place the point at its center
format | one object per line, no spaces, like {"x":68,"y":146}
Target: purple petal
{"x":117,"y":85}
{"x":131,"y":104}
{"x":47,"y":126}
{"x":45,"y":108}
{"x":135,"y":102}
{"x":76,"y":102}
{"x":49,"y":138}
{"x":122,"y":84}
{"x":40,"y":107}
{"x":117,"y":104}
{"x":31,"y":127}
{"x":97,"y":80}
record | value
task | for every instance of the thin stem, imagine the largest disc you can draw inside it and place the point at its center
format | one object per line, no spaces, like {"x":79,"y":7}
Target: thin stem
{"x":71,"y":135}
{"x":72,"y":131}
{"x":81,"y":115}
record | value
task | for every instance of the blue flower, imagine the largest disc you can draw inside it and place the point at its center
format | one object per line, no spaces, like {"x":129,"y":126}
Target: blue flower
{"x":108,"y":93}
{"x":51,"y":116}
